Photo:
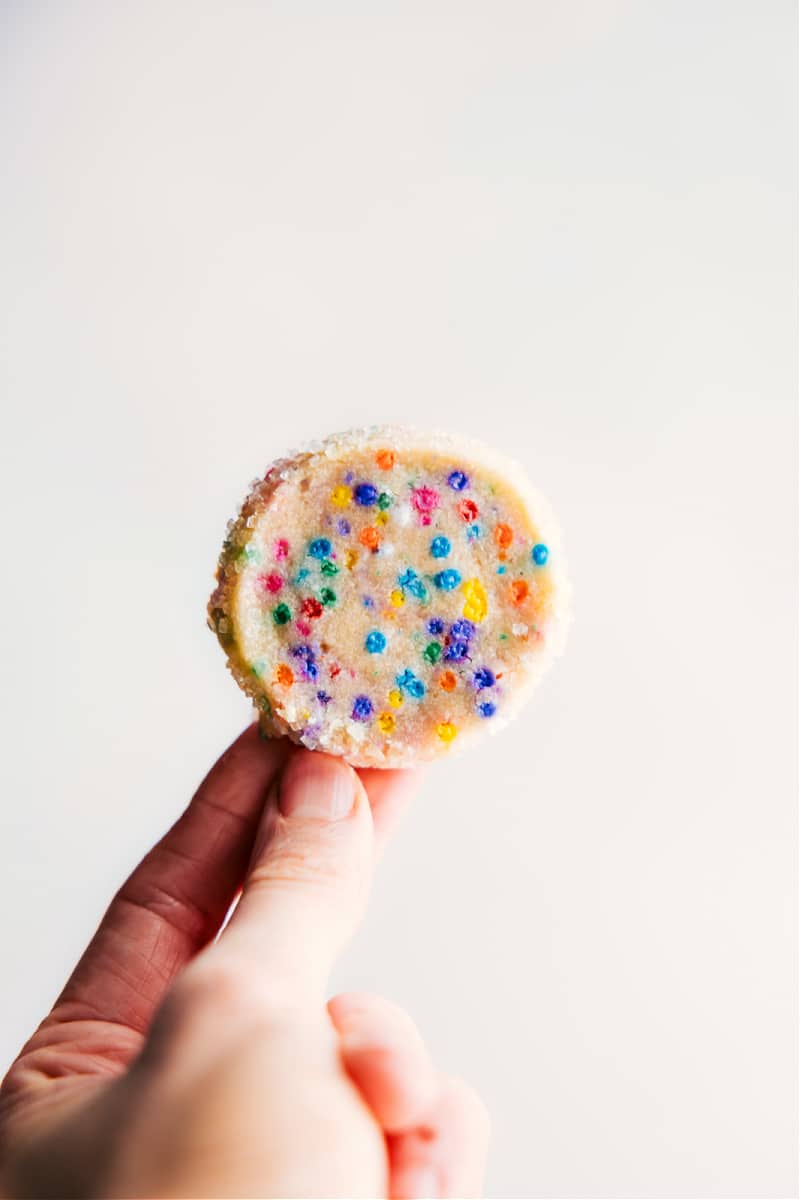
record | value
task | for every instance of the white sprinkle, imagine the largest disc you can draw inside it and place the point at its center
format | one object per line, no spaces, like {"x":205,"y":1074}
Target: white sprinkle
{"x":519,"y":630}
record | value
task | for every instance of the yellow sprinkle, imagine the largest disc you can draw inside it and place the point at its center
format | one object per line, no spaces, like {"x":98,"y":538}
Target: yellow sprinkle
{"x":381,"y":518}
{"x":446,"y":731}
{"x":350,"y":559}
{"x":341,"y":496}
{"x":397,"y":598}
{"x":386,"y":722}
{"x":476,"y":606}
{"x":395,"y":698}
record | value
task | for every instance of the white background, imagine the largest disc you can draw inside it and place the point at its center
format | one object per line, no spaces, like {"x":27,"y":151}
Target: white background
{"x":567,"y":228}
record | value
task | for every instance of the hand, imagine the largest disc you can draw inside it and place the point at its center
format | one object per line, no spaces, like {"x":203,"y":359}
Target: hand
{"x":181,"y":1063}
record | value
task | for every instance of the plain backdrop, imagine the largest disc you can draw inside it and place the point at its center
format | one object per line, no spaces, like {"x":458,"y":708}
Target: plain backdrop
{"x":569,"y":228}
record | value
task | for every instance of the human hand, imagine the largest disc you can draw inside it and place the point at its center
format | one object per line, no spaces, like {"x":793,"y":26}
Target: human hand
{"x":176,"y":1065}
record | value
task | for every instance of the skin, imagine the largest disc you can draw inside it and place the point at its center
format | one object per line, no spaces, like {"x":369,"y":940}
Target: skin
{"x":183,"y":1062}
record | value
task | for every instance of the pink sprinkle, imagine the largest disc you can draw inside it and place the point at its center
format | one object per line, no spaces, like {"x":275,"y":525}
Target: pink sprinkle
{"x":425,"y":500}
{"x":281,"y":549}
{"x":303,"y":627}
{"x":273,"y":583}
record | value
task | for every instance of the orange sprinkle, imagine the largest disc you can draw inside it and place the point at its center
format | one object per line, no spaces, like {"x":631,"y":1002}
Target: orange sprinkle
{"x":370,"y":537}
{"x":447,"y":680}
{"x":284,"y":675}
{"x":503,"y":535}
{"x":386,"y":459}
{"x":519,"y":591}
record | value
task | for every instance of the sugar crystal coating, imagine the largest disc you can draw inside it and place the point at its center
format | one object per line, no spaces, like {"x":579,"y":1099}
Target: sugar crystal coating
{"x":390,"y":595}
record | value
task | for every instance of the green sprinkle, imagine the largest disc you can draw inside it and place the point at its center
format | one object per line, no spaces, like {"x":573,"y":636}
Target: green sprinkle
{"x":258,"y":668}
{"x":329,"y":568}
{"x":503,"y":637}
{"x":432,"y":652}
{"x":250,"y":554}
{"x":328,"y":596}
{"x":281,"y":614}
{"x":384,"y":500}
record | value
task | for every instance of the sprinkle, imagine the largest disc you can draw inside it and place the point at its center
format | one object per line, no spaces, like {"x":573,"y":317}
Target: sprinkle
{"x":412,"y":583}
{"x":446,"y":730}
{"x":540,"y":554}
{"x":457,"y":480}
{"x":365,"y":494}
{"x":271,"y":583}
{"x":282,"y":614}
{"x":324,"y":698}
{"x":468,"y":510}
{"x":483,"y":678}
{"x":320,"y":548}
{"x":436,"y":625}
{"x":386,"y":722}
{"x":476,"y":606}
{"x":425,"y":500}
{"x":258,"y":668}
{"x":432,"y":652}
{"x":462,"y":629}
{"x":519,"y":629}
{"x":368,"y":602}
{"x":440,"y":547}
{"x":415,"y":687}
{"x":447,"y":580}
{"x":250,"y":554}
{"x":397,"y":598}
{"x":386,"y":459}
{"x":329,"y":568}
{"x":343,"y":527}
{"x":487,"y":709}
{"x":518,"y":591}
{"x":503,"y":535}
{"x":384,"y":500}
{"x":370,"y":537}
{"x":362,"y":708}
{"x":350,"y":559}
{"x":456,"y":651}
{"x":281,"y":549}
{"x":311,"y":607}
{"x":448,"y":681}
{"x":474,"y":532}
{"x":284,"y":675}
{"x":341,"y":496}
{"x":501,"y":570}
{"x":328,"y":596}
{"x":396,"y":698}
{"x":376,"y":642}
{"x":381,"y":518}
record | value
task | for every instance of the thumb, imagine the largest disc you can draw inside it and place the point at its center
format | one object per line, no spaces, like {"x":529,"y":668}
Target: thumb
{"x":308,"y":878}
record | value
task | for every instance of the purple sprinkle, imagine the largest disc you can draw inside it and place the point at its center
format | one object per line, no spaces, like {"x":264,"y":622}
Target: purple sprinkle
{"x":349,"y":477}
{"x":487,"y":709}
{"x":369,"y":602}
{"x":456,"y":652}
{"x":435,"y":625}
{"x":362,"y":708}
{"x":366,"y":494}
{"x":462,"y":628}
{"x":305,"y":652}
{"x":323,"y":697}
{"x":483,"y":678}
{"x":457,"y":480}
{"x":343,"y":527}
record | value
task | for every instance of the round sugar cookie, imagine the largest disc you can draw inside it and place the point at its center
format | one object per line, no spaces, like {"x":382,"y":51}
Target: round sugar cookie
{"x":389,"y":595}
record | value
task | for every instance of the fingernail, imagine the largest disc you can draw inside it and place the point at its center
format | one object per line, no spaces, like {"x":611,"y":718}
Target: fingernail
{"x":419,"y":1183}
{"x":316,"y":786}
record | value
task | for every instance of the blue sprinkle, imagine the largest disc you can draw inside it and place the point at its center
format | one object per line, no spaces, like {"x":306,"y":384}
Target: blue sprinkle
{"x":320,"y":548}
{"x":473,"y":532}
{"x":456,"y":651}
{"x":366,"y":494}
{"x":362,"y":708}
{"x":349,"y":477}
{"x":376,"y":642}
{"x":487,"y":709}
{"x":368,"y":602}
{"x":440,"y":547}
{"x":457,"y":480}
{"x":501,"y":570}
{"x":301,"y":575}
{"x":462,"y":628}
{"x":447,"y":580}
{"x":323,"y":697}
{"x":305,"y":652}
{"x":405,"y":679}
{"x":412,"y":583}
{"x":416,"y":689}
{"x":540,"y":554}
{"x":483,"y":678}
{"x":343,"y":527}
{"x":436,"y":625}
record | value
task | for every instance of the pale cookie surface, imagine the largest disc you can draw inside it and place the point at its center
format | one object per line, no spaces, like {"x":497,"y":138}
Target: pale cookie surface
{"x":390,"y":594}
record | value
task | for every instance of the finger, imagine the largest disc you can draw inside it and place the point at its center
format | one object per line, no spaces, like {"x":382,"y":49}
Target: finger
{"x":385,"y":1056}
{"x":176,"y":899}
{"x":390,"y":794}
{"x":446,"y":1155}
{"x":307,"y":881}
